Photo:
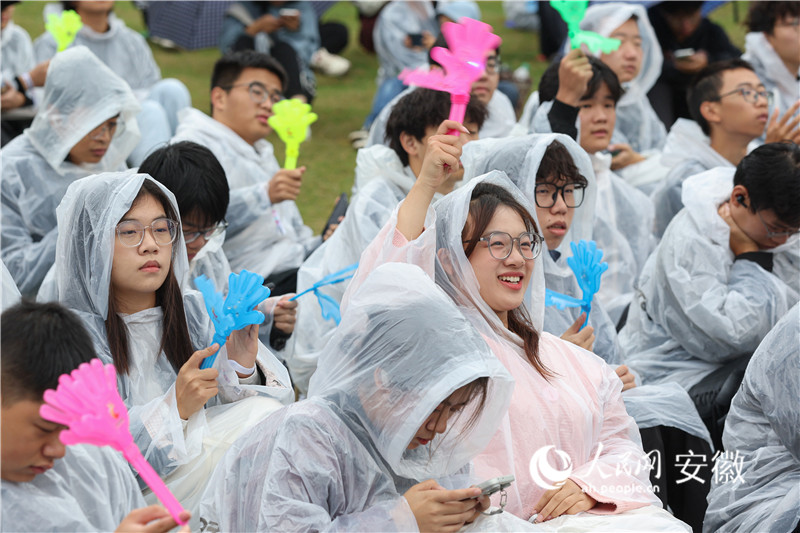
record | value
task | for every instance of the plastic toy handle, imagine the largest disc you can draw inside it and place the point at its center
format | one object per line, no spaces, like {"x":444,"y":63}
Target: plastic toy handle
{"x":146,"y":472}
{"x":292,"y":153}
{"x":458,"y":108}
{"x":208,"y":362}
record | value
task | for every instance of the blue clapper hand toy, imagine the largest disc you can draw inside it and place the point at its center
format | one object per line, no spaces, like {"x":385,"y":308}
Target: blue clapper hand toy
{"x":329,"y":306}
{"x":245,"y":291}
{"x":585,"y":264}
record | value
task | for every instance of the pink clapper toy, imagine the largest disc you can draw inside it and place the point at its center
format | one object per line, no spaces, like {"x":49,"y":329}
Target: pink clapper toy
{"x":469,"y":41}
{"x":87,"y":402}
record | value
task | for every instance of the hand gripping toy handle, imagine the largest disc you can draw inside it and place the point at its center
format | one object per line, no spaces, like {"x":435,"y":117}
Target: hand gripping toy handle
{"x":146,"y":472}
{"x":208,"y":362}
{"x":458,"y":108}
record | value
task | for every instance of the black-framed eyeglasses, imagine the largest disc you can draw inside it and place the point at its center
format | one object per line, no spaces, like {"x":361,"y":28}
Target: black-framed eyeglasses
{"x":545,"y":194}
{"x":208,"y":233}
{"x":501,"y":244}
{"x":749,"y":95}
{"x":131,"y":232}
{"x":772,"y":234}
{"x":259,"y":92}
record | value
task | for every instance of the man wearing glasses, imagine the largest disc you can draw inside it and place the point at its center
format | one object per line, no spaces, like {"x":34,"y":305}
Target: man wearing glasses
{"x":726,"y":270}
{"x":266,"y":233}
{"x":730,"y":108}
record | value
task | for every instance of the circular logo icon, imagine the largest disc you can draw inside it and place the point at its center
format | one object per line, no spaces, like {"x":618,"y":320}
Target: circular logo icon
{"x":544,"y":474}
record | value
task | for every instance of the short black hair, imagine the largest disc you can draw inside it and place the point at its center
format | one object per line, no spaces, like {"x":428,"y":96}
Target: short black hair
{"x":194,"y":175}
{"x":229,"y":67}
{"x":557,"y":163}
{"x":38,"y":343}
{"x":441,"y":42}
{"x":421,"y":109}
{"x":771,"y":175}
{"x":762,"y":16}
{"x":601,"y":73}
{"x":680,"y":7}
{"x":705,"y":87}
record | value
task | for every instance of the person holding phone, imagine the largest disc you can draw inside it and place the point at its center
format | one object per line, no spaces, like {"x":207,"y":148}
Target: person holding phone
{"x":406,"y":394}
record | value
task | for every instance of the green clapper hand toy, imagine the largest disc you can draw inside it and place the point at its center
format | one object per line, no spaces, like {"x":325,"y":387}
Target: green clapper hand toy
{"x":64,"y":28}
{"x":572,"y":12}
{"x":290,"y":121}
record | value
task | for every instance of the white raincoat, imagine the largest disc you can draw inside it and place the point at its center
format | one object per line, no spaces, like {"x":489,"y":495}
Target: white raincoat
{"x":762,"y":438}
{"x":771,"y":70}
{"x":382,"y":181}
{"x":17,"y":51}
{"x":10,"y":294}
{"x":394,"y":23}
{"x":80,"y":94}
{"x":519,"y":158}
{"x":89,"y":489}
{"x":579,"y":412}
{"x":696,"y":308}
{"x":687,"y":152}
{"x":261,"y":237}
{"x":183,"y":452}
{"x":338,"y":461}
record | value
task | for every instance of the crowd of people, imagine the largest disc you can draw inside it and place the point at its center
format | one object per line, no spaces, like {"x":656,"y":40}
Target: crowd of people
{"x":666,"y":403}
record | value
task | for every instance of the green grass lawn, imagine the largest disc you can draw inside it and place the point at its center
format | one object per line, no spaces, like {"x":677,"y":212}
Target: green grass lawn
{"x":342,"y":104}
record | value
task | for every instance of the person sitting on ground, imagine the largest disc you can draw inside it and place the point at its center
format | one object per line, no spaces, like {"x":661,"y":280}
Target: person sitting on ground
{"x":761,"y":441}
{"x":689,"y":42}
{"x":624,"y":215}
{"x":20,"y":73}
{"x":45,"y":485}
{"x":465,"y":243}
{"x":729,"y":105}
{"x":556,"y":175}
{"x":266,"y":233}
{"x":726,"y":270}
{"x":383,"y":178}
{"x":639,"y":134}
{"x":195,"y":177}
{"x":127,"y":53}
{"x":407,"y":393}
{"x":87,"y":123}
{"x":122,"y":266}
{"x":773,"y":49}
{"x":500,"y":117}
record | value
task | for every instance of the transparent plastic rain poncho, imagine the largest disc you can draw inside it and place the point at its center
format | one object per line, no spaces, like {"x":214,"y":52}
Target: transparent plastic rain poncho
{"x":122,"y":49}
{"x":89,"y":489}
{"x":91,"y":209}
{"x":17,"y":51}
{"x":500,"y":118}
{"x":80,"y":94}
{"x":771,"y":70}
{"x":338,"y":461}
{"x":637,"y":122}
{"x":580,"y":411}
{"x":762,"y":441}
{"x":382,"y":181}
{"x":687,"y":152}
{"x":697,"y":308}
{"x":261,"y":237}
{"x":622,"y":215}
{"x":520,"y":158}
{"x":10,"y":294}
{"x":394,"y":23}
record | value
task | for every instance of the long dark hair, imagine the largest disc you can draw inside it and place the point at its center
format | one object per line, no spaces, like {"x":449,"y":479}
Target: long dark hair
{"x":175,"y":341}
{"x":486,"y":198}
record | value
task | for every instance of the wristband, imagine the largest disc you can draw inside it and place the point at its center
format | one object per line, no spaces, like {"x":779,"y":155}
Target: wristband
{"x":241,"y":369}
